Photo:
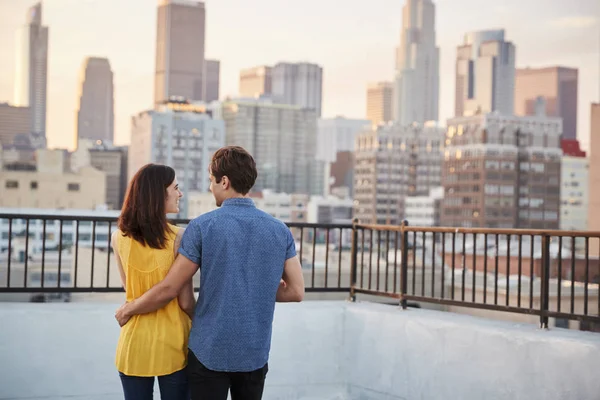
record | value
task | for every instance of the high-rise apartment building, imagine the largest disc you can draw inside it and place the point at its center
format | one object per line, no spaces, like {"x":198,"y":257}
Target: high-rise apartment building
{"x":96,"y":113}
{"x":179,"y":134}
{"x":557,"y":86}
{"x":212,"y":74}
{"x":256,"y":82}
{"x":13,"y":121}
{"x":417,"y":65}
{"x":380,"y":102}
{"x":180,"y":36}
{"x":391,"y":163}
{"x":298,"y":84}
{"x":485,"y":74}
{"x":502,"y":172}
{"x":282,"y":139}
{"x":31,"y":77}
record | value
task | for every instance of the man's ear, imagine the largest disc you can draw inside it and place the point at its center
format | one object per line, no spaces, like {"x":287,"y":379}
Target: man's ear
{"x":225,"y":182}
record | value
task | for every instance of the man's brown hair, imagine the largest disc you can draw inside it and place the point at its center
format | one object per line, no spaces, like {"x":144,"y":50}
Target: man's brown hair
{"x":237,"y":165}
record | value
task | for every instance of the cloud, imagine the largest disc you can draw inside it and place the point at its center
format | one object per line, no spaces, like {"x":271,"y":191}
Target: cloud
{"x":574,"y":22}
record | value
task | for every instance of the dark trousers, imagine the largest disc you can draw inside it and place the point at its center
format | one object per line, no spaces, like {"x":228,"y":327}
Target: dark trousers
{"x":172,"y":387}
{"x":206,"y":384}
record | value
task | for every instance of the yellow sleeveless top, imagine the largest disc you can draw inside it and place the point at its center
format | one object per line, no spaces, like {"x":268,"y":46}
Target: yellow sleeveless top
{"x":151,"y":344}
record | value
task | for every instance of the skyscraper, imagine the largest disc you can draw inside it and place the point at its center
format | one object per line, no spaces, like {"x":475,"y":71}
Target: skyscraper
{"x":212,"y":73}
{"x":299,"y":84}
{"x":96,"y":116}
{"x":485,"y":74}
{"x":179,"y":50}
{"x":32,"y":68}
{"x":557,"y":86}
{"x":256,"y":81}
{"x":416,"y":89}
{"x":379,"y":102}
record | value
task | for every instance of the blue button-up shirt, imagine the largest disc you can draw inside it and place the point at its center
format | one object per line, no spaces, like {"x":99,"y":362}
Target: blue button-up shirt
{"x":241,"y":251}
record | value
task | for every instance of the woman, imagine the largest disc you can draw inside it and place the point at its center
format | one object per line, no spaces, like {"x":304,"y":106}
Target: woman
{"x":154,"y":344}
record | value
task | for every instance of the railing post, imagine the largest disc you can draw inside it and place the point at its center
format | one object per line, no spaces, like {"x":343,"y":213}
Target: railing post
{"x":545,"y":282}
{"x":404,"y":264}
{"x":354,"y":259}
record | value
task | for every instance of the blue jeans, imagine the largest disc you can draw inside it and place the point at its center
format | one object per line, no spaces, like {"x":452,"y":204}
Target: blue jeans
{"x":172,"y":387}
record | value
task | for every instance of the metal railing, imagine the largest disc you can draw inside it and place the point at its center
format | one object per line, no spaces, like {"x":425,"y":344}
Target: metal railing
{"x":547,"y":273}
{"x":537,"y":272}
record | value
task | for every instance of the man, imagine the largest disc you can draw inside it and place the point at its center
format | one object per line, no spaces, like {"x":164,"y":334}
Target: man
{"x":248,"y":262}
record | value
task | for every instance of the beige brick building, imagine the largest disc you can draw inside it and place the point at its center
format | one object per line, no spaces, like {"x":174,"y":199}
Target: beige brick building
{"x":83,"y":190}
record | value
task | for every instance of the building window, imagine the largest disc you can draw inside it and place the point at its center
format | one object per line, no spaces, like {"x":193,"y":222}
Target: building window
{"x":12,"y":184}
{"x":33,"y":185}
{"x":73,"y":187}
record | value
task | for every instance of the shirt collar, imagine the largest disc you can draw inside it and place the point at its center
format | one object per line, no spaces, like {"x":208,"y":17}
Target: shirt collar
{"x":238,"y":201}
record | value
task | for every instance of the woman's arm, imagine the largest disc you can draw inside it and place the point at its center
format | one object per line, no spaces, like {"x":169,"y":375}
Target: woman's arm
{"x":118,"y":257}
{"x":186,"y":299}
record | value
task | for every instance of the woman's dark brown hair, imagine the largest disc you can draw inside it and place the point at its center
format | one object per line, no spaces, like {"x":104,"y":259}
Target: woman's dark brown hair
{"x":143,"y":216}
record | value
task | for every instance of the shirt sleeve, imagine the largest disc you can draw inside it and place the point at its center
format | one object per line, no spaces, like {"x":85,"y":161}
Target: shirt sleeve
{"x":191,"y":243}
{"x":291,"y":245}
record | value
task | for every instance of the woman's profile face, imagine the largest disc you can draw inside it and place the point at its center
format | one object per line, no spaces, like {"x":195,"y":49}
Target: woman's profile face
{"x":173,"y":196}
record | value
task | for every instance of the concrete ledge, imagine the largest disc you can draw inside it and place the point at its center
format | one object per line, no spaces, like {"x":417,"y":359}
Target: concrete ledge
{"x":321,"y":350}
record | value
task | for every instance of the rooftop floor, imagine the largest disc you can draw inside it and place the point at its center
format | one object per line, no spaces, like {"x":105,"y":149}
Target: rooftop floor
{"x":321,"y":350}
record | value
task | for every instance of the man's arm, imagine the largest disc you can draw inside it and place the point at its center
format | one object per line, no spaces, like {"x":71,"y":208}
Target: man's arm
{"x":186,"y":299}
{"x":292,"y":287}
{"x":180,"y":273}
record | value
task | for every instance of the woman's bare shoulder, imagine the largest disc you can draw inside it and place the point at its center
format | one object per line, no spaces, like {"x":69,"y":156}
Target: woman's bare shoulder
{"x":115,"y":235}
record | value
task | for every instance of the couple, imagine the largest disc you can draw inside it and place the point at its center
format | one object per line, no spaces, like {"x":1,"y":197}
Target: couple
{"x":247,"y":261}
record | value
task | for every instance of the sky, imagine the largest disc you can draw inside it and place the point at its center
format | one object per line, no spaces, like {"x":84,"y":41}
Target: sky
{"x":353,"y":40}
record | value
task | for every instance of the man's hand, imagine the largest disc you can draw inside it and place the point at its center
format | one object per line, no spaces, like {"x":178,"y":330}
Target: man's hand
{"x":121,"y":315}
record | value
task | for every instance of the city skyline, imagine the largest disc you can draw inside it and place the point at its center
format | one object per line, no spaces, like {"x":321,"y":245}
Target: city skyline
{"x":569,"y":34}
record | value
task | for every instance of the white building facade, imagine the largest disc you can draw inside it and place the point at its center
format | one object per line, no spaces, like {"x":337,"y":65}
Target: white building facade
{"x":424,"y":210}
{"x":574,"y":193}
{"x":336,"y":135}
